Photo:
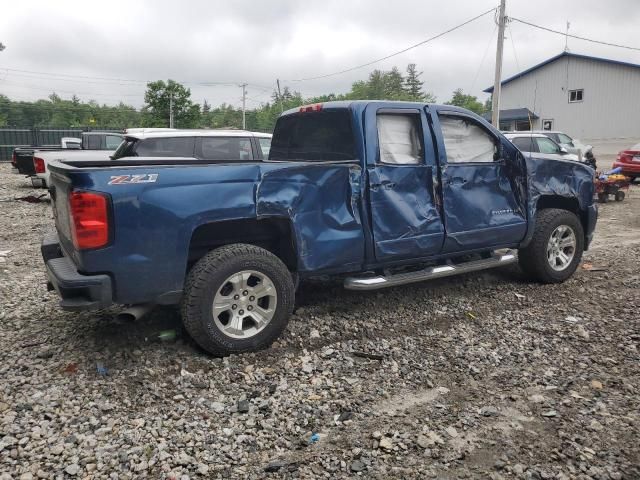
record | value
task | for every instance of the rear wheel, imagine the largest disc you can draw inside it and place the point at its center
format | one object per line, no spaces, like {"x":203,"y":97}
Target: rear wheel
{"x":603,"y":197}
{"x":620,"y":196}
{"x":238,"y":298}
{"x":556,"y":248}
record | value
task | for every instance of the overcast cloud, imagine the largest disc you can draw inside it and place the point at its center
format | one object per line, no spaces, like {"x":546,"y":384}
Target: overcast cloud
{"x":258,"y":41}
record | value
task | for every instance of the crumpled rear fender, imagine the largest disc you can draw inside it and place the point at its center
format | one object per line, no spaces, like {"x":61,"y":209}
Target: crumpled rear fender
{"x":321,"y":202}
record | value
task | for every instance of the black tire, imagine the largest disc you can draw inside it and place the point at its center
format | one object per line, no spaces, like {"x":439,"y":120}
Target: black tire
{"x":533,"y":257}
{"x":603,"y":197}
{"x":207,"y":277}
{"x":620,"y":196}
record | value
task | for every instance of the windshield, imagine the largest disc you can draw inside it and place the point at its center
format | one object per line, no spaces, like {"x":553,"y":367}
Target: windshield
{"x":313,"y":136}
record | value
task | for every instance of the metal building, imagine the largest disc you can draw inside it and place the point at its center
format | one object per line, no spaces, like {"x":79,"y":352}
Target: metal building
{"x":586,"y":97}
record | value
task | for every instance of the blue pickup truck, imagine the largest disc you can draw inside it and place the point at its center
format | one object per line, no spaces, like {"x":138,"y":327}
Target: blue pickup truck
{"x":378,"y":193}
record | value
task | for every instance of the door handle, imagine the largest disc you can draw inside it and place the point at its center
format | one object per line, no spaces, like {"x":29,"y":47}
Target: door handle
{"x":455,"y":180}
{"x":386,"y":185}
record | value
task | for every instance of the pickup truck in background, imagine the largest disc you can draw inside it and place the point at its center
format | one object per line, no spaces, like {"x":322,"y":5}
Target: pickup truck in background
{"x":22,"y":157}
{"x":94,"y":146}
{"x":379,"y":193}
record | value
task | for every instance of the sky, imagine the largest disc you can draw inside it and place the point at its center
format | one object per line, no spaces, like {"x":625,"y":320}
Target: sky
{"x":106,"y":51}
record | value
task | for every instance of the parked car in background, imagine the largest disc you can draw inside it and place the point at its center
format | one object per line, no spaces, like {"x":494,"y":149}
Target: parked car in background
{"x":629,"y":161}
{"x":214,"y":145}
{"x":94,"y":146}
{"x":573,"y":145}
{"x":540,"y":146}
{"x":22,"y":157}
{"x":381,"y":193}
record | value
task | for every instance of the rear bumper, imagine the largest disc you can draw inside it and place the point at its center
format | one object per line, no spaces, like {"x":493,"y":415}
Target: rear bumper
{"x":628,"y":168}
{"x":76,"y":291}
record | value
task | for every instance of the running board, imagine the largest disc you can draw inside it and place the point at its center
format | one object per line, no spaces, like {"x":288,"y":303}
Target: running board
{"x":438,"y":271}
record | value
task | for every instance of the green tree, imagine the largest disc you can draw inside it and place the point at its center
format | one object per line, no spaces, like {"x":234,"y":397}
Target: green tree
{"x":415,"y":87}
{"x":460,"y":99}
{"x":158,"y":99}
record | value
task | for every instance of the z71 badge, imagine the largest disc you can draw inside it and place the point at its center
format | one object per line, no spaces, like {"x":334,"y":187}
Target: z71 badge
{"x":140,"y":178}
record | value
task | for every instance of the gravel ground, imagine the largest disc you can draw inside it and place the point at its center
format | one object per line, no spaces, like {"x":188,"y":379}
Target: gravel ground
{"x":480,"y":376}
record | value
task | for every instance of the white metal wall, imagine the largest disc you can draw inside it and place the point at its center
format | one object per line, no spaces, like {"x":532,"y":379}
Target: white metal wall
{"x":611,"y":104}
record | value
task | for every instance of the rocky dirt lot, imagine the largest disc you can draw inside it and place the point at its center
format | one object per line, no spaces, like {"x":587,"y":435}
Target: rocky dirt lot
{"x":481,"y":376}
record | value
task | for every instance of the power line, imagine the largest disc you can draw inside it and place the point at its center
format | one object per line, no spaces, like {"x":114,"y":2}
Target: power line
{"x":398,"y":52}
{"x":484,"y":55}
{"x":513,"y":46}
{"x":565,"y":34}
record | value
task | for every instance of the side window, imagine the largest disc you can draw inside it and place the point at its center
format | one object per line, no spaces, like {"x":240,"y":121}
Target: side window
{"x":546,"y":145}
{"x":465,"y":141}
{"x":225,"y":148}
{"x":562,"y":138}
{"x":265,"y":146}
{"x":400,"y":138}
{"x":165,"y":147}
{"x":524,"y":144}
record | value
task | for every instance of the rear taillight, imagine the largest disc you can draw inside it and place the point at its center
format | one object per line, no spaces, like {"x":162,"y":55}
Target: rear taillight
{"x":89,"y":219}
{"x":316,"y":107}
{"x":13,"y":159}
{"x":38,"y":164}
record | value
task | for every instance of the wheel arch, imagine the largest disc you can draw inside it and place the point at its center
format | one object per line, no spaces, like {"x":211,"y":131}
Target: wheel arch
{"x":274,"y":234}
{"x":570,"y":204}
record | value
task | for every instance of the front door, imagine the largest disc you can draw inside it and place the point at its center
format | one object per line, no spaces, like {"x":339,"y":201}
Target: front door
{"x":401,"y":172}
{"x":483,"y":200}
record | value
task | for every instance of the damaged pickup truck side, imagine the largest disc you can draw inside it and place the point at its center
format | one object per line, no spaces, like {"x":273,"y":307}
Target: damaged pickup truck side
{"x":378,"y":193}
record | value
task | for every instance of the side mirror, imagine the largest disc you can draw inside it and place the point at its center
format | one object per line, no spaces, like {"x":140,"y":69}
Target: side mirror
{"x":563,"y":151}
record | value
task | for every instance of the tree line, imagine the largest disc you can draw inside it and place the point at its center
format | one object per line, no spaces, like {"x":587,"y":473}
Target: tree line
{"x":162,"y":96}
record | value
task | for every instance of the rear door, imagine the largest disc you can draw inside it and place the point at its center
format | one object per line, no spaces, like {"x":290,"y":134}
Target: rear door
{"x":401,"y":172}
{"x":483,"y":203}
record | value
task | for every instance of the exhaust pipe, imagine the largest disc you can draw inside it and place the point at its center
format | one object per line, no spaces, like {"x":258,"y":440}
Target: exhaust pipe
{"x":134,"y":312}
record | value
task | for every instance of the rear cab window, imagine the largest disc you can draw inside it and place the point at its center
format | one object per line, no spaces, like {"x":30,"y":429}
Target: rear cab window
{"x":165,"y":147}
{"x":316,"y":136}
{"x":224,"y":149}
{"x":265,"y":146}
{"x":113,"y":141}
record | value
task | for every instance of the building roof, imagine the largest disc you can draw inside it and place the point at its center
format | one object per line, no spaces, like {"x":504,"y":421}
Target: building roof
{"x":512,"y":114}
{"x":561,"y":55}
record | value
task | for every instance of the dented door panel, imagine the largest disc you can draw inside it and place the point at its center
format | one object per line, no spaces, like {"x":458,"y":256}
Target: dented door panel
{"x":481,"y":208}
{"x":404,"y":216}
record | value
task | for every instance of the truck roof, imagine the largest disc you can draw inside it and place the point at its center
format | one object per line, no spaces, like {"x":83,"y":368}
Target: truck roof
{"x":337,"y":104}
{"x":197,"y":133}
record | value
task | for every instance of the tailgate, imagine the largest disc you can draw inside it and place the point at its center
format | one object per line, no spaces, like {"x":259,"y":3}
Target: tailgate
{"x":24,"y":163}
{"x":59,"y":190}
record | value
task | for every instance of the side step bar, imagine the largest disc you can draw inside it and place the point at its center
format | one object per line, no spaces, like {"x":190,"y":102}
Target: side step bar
{"x":438,"y":271}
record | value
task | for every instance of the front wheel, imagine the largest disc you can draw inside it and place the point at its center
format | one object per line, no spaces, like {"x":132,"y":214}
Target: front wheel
{"x":556,"y":248}
{"x":238,"y":298}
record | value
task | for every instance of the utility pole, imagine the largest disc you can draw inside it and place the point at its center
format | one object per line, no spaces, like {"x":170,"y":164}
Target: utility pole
{"x":495,"y":98}
{"x":171,"y":110}
{"x":244,"y":106}
{"x":566,"y":38}
{"x":279,"y":95}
